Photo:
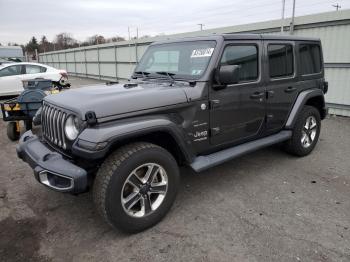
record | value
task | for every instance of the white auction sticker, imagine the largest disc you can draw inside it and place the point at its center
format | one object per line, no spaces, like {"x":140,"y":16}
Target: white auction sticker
{"x":202,"y":52}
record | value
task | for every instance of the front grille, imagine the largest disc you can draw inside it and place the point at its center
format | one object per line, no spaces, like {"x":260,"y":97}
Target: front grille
{"x":53,"y":120}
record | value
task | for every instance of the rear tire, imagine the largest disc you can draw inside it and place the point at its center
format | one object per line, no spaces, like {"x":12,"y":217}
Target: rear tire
{"x":306,"y":132}
{"x":12,"y":131}
{"x":125,"y":187}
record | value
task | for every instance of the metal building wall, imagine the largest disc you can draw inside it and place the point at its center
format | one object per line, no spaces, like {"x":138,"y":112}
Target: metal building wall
{"x":117,"y":60}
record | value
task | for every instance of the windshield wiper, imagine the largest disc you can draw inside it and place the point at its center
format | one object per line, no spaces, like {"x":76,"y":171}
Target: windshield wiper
{"x":171,"y":77}
{"x":143,"y":73}
{"x":168,"y":74}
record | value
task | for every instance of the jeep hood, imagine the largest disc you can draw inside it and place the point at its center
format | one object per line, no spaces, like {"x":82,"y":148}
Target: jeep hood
{"x":109,"y":100}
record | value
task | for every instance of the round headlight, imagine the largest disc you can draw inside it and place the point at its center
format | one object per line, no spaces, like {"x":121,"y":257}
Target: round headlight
{"x":72,"y":127}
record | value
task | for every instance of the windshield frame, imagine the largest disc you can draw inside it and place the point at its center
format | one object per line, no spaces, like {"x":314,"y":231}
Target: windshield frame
{"x":205,"y":76}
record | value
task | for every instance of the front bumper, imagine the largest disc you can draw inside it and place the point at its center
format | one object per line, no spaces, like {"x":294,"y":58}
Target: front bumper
{"x":50,"y":168}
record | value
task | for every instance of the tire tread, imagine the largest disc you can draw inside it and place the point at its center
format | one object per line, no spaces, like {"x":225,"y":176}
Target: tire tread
{"x":293,"y":145}
{"x":108,"y":168}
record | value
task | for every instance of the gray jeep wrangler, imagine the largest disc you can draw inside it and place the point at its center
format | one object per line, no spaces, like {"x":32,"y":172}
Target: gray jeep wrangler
{"x":195,"y":101}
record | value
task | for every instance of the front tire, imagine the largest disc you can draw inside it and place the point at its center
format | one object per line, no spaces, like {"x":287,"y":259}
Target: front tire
{"x":305,"y":132}
{"x":136,"y":186}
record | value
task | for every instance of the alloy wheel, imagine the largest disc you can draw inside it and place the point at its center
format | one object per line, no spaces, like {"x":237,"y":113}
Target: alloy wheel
{"x":309,"y":132}
{"x":144,"y":190}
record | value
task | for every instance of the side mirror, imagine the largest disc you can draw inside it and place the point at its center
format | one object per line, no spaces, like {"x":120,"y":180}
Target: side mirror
{"x":228,"y":74}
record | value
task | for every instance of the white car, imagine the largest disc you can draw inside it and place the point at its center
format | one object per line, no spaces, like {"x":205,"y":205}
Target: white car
{"x":13,"y":75}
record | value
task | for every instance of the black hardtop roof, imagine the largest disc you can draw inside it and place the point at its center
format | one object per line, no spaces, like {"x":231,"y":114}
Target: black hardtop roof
{"x":269,"y":37}
{"x":241,"y":37}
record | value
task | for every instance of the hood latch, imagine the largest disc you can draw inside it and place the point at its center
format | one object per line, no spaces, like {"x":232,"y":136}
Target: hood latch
{"x":91,"y":118}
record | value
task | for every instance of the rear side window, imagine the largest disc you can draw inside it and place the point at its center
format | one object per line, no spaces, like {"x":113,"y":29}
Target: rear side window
{"x":11,"y":70}
{"x":310,"y":59}
{"x":280,"y":60}
{"x":246,"y":56}
{"x":34,"y":69}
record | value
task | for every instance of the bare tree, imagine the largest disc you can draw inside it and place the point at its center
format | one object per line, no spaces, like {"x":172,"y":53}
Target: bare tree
{"x":96,"y":39}
{"x":116,"y":39}
{"x":65,"y":40}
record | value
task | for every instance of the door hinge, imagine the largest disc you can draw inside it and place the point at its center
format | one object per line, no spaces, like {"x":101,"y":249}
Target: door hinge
{"x":269,"y":118}
{"x":214,"y":104}
{"x":214,"y":131}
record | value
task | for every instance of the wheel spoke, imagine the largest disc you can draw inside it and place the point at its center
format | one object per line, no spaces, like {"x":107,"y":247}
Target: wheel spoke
{"x":151,"y":172}
{"x":313,"y":125}
{"x":309,"y":138}
{"x":146,"y":204}
{"x":158,"y":189}
{"x":131,"y":200}
{"x":303,"y":138}
{"x":135,"y":181}
{"x":309,"y":122}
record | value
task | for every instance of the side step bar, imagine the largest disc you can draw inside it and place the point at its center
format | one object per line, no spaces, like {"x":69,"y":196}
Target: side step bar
{"x":201,"y":163}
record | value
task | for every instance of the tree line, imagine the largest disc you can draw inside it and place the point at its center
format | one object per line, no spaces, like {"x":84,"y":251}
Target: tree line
{"x":63,"y":41}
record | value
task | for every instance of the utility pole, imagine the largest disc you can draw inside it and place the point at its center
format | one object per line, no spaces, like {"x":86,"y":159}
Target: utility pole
{"x":337,"y":6}
{"x":291,"y":27}
{"x":129,"y":32}
{"x":283,"y":8}
{"x":201,"y":26}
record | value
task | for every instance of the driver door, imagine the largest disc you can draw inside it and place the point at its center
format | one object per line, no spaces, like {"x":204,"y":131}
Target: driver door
{"x":237,"y":111}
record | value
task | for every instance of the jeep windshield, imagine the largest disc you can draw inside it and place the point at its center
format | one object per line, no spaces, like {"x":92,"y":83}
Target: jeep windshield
{"x":182,"y":60}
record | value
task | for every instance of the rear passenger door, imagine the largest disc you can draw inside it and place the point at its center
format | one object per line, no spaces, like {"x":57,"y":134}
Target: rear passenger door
{"x":282,"y":87}
{"x":34,"y":71}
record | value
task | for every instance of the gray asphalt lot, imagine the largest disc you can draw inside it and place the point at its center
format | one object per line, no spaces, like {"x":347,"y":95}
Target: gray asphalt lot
{"x":265,"y":206}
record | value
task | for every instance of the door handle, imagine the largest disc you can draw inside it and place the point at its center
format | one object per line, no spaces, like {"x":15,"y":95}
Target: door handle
{"x":257,"y":95}
{"x":290,"y":89}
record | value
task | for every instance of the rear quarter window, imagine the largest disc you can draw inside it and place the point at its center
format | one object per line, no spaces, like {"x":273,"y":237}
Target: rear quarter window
{"x":310,"y":59}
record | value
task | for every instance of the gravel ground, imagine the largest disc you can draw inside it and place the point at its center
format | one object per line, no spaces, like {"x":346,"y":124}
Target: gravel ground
{"x":266,"y":206}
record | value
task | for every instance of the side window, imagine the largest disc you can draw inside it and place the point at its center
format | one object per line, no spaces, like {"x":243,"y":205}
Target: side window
{"x":10,"y":70}
{"x":246,"y":56}
{"x":310,"y":59}
{"x":280,"y":60}
{"x":34,"y":69}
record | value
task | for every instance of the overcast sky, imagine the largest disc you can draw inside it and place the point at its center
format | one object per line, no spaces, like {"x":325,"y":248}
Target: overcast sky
{"x":21,"y":19}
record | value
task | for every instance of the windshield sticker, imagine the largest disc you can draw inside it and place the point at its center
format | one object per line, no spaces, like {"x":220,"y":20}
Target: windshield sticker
{"x":196,"y":72}
{"x":202,"y":52}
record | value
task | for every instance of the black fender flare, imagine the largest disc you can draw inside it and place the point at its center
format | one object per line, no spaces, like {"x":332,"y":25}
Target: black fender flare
{"x":301,"y":100}
{"x":111,"y":133}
